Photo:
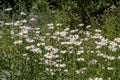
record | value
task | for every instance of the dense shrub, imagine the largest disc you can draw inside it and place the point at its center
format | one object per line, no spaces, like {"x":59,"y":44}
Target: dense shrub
{"x":15,"y":4}
{"x":88,"y":8}
{"x":77,"y":10}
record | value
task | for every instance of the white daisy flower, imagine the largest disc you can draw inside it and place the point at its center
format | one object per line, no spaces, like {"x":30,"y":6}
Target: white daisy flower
{"x":30,"y":47}
{"x":29,"y":40}
{"x":36,"y":50}
{"x":88,"y":26}
{"x":109,"y":68}
{"x":93,"y":62}
{"x":77,"y":71}
{"x":9,"y":24}
{"x":63,"y":51}
{"x":49,"y":62}
{"x":50,"y":25}
{"x":62,"y":65}
{"x":48,"y":47}
{"x":54,"y":50}
{"x":66,"y":70}
{"x":8,"y":9}
{"x":98,"y":30}
{"x":81,"y":59}
{"x":18,"y":42}
{"x":59,"y":24}
{"x":49,"y":55}
{"x":23,"y":13}
{"x":81,"y":24}
{"x":23,"y":21}
{"x":32,"y":19}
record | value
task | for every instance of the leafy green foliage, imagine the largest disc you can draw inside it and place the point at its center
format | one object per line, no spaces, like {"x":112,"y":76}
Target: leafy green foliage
{"x":64,"y":17}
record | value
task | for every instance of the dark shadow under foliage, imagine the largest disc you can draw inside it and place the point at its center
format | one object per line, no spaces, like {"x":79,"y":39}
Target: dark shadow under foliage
{"x":77,"y":10}
{"x":14,"y":4}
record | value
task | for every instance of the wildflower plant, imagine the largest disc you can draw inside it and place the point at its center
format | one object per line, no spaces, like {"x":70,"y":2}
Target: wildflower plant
{"x":33,"y":51}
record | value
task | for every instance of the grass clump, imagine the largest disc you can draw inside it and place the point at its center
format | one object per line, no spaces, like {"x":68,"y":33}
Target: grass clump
{"x":49,"y":43}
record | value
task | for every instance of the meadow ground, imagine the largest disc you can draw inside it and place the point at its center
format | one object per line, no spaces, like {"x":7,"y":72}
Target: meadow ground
{"x":42,"y":46}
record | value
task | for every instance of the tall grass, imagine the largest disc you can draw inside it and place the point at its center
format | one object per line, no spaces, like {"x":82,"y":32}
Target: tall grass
{"x":51,"y":44}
